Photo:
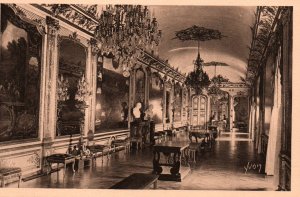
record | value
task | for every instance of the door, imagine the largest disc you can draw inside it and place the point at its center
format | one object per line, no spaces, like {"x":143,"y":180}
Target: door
{"x":199,"y":107}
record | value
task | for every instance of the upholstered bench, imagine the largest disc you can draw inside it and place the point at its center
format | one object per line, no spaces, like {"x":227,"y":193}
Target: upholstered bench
{"x":10,"y":173}
{"x":61,"y":158}
{"x":137,"y":181}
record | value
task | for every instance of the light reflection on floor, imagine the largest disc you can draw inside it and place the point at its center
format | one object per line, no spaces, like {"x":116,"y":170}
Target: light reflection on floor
{"x":221,"y":168}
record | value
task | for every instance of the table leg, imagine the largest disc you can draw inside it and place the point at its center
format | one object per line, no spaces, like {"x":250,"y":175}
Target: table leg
{"x":155,"y":185}
{"x":73,"y":166}
{"x":49,"y":166}
{"x":157,"y":169}
{"x":3,"y":182}
{"x":65,"y":167}
{"x":20,"y":179}
{"x":57,"y":168}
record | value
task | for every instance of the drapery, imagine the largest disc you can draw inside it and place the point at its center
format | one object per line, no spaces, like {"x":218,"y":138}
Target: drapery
{"x":273,"y":150}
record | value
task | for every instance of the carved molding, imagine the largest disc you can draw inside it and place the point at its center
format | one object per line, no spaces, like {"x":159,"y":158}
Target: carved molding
{"x":74,"y":36}
{"x":162,"y":67}
{"x":53,"y":25}
{"x":71,"y":14}
{"x":93,"y":43}
{"x":29,"y":18}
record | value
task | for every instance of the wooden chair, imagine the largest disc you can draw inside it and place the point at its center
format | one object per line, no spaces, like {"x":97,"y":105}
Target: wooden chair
{"x":136,"y":136}
{"x":195,"y":146}
{"x":98,"y":149}
{"x":122,"y":142}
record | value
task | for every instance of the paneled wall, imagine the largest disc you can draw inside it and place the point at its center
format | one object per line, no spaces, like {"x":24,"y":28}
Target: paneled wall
{"x":67,"y":88}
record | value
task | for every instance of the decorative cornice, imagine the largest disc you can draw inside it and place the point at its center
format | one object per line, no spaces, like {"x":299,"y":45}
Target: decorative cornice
{"x":158,"y":64}
{"x":267,"y":18}
{"x":232,"y":85}
{"x":29,"y":17}
{"x":72,"y":14}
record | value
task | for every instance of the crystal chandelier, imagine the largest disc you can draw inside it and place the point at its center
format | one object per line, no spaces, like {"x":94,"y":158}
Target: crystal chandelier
{"x":125,"y":31}
{"x":198,"y":79}
{"x":214,"y":89}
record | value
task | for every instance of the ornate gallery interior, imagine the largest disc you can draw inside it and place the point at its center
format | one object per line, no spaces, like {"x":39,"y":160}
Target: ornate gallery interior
{"x":146,"y":97}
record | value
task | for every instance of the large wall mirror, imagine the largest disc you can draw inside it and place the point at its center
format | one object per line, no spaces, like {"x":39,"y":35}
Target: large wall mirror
{"x":70,"y":109}
{"x":140,"y":79}
{"x":219,"y":106}
{"x":111,"y":98}
{"x":177,"y":102}
{"x":20,"y":72}
{"x":184,"y":105}
{"x":240,"y":116}
{"x":156,"y":94}
{"x":219,"y":110}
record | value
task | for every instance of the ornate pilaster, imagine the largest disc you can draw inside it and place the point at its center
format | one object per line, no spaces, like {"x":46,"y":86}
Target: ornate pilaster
{"x":147,"y":86}
{"x":93,"y":84}
{"x":90,"y":76}
{"x":231,"y":112}
{"x":51,"y":67}
{"x":172,"y":103}
{"x":131,"y":95}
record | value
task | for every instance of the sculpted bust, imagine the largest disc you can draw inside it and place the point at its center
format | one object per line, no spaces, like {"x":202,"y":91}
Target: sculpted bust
{"x":149,"y":113}
{"x":137,"y":110}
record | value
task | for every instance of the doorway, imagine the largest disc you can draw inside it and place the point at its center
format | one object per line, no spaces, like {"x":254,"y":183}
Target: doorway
{"x":199,"y":114}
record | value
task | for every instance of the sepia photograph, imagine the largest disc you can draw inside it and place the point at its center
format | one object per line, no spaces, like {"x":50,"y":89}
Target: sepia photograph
{"x":112,"y":96}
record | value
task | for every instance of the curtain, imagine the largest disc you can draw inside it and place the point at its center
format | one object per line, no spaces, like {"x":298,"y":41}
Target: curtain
{"x":273,"y":150}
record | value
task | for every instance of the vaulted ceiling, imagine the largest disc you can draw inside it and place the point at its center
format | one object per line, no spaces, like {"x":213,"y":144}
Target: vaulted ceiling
{"x":233,"y":22}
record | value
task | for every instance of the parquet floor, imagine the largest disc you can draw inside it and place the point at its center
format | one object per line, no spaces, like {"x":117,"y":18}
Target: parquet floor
{"x":221,"y":168}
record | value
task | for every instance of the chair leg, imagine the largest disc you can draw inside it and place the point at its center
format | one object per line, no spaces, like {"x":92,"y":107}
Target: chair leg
{"x":3,"y":182}
{"x":73,"y":166}
{"x":20,"y":179}
{"x":194,"y":155}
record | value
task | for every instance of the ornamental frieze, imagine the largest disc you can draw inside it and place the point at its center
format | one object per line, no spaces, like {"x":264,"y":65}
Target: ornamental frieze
{"x":71,"y":14}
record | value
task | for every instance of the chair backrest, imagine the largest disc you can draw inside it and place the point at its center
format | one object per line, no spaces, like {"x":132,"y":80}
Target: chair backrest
{"x":90,"y":137}
{"x":110,"y":140}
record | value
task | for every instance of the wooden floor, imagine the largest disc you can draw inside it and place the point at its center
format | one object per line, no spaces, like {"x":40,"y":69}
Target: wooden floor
{"x":221,"y":168}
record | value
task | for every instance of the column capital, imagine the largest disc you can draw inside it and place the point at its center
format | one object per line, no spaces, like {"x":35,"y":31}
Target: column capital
{"x":53,"y":25}
{"x":93,"y":43}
